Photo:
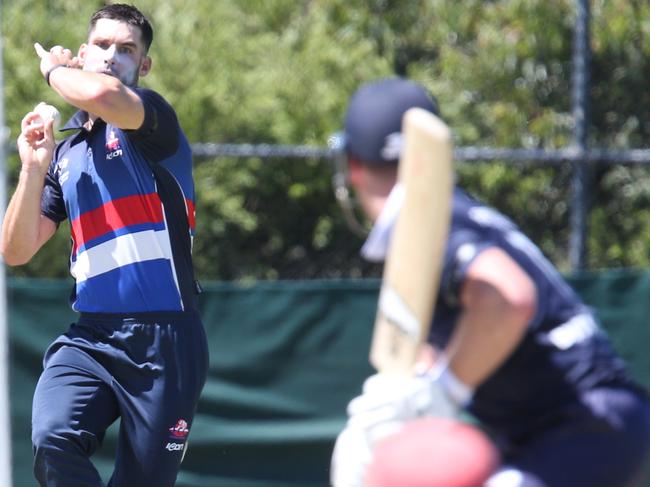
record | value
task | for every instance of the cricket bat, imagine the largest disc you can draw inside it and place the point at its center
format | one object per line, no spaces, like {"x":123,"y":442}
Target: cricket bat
{"x":413,"y":264}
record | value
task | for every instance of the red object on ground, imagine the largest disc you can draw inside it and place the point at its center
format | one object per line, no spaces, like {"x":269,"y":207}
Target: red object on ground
{"x":433,"y":452}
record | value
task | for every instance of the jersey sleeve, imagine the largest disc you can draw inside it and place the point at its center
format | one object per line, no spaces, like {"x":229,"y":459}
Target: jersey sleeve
{"x":463,"y":246}
{"x":52,"y":203}
{"x":158,"y":136}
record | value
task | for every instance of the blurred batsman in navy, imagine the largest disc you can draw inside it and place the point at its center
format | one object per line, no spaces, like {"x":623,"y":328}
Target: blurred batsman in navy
{"x":511,"y":345}
{"x":123,"y":180}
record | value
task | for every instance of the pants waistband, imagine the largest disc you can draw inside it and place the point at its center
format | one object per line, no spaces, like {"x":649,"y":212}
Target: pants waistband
{"x":176,"y":317}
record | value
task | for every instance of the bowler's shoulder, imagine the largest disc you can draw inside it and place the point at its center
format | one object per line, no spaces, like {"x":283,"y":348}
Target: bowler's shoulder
{"x":152,"y":97}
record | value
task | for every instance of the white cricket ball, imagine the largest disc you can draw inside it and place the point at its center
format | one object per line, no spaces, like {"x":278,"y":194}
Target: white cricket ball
{"x":48,"y":112}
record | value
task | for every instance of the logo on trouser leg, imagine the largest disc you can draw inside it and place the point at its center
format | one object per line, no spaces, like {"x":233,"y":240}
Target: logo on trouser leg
{"x":178,"y":433}
{"x":174,"y":446}
{"x":180,"y":429}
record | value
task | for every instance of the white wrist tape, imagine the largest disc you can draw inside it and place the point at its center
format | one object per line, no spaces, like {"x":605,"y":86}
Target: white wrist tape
{"x":458,"y":391}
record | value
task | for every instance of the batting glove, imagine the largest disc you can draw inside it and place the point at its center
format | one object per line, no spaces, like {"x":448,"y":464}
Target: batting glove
{"x":387,"y":402}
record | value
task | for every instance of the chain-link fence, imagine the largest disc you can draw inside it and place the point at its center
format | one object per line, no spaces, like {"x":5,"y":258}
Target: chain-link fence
{"x":274,"y":249}
{"x":578,"y":159}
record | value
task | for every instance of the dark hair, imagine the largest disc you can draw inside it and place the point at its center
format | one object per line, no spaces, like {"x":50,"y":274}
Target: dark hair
{"x":128,"y":14}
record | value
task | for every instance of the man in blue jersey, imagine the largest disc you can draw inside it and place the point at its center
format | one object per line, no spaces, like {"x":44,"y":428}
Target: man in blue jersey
{"x":510,"y":343}
{"x":123,"y":179}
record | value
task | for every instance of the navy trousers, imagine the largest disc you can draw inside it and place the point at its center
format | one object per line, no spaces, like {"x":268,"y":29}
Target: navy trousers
{"x":147,"y":369}
{"x":603,"y":440}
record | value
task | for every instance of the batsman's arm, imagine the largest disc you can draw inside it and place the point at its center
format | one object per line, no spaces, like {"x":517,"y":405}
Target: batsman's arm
{"x":499,"y":299}
{"x":96,"y":93}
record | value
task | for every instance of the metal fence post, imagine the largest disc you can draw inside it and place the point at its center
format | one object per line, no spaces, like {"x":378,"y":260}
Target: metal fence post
{"x":5,"y":421}
{"x":580,"y":109}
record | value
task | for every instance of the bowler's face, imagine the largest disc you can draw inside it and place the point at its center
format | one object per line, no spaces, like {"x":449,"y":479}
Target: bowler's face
{"x":115,"y":48}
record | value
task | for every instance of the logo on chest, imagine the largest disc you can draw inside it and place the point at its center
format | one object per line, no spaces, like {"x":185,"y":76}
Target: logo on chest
{"x":113,"y":148}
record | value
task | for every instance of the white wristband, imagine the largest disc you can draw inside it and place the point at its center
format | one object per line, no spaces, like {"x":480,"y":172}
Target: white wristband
{"x":458,"y":391}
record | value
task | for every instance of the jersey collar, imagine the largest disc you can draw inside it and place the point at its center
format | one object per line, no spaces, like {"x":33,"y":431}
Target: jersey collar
{"x":76,"y":122}
{"x":376,"y":245}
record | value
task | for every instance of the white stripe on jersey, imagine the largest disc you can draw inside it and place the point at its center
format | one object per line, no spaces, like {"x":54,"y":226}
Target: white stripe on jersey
{"x":121,"y":251}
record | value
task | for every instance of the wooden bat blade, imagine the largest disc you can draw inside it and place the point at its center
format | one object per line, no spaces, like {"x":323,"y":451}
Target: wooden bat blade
{"x":413,"y":263}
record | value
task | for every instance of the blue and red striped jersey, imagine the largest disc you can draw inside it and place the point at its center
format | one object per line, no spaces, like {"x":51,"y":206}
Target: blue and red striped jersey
{"x":127,"y":245}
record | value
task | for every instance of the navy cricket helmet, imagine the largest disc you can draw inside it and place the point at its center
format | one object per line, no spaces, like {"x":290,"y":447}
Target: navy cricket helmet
{"x":373,"y":122}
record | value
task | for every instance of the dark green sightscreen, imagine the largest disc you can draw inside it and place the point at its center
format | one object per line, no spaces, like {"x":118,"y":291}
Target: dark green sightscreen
{"x":286,"y":357}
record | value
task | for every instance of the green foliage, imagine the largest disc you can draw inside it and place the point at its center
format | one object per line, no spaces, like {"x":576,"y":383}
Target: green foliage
{"x":280,"y":72}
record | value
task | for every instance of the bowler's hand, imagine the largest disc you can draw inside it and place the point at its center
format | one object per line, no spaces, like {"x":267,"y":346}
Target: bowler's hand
{"x":36,"y":143}
{"x":56,"y":55}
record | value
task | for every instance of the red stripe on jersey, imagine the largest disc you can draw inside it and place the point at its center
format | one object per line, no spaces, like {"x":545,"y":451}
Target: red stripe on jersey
{"x":191,"y":213}
{"x":116,"y":214}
